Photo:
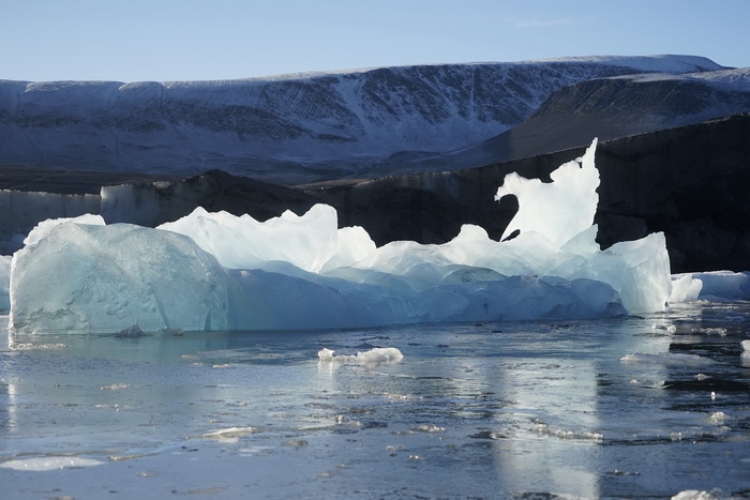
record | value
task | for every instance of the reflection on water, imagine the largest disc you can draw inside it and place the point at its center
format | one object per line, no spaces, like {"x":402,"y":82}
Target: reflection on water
{"x":624,"y":407}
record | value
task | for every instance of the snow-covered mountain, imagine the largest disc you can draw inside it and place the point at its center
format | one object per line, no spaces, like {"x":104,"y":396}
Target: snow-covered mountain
{"x":290,"y":128}
{"x":607,"y":108}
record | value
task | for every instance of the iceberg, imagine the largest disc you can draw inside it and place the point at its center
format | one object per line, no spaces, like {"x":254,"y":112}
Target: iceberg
{"x":375,"y":356}
{"x":217,"y":271}
{"x":715,"y":286}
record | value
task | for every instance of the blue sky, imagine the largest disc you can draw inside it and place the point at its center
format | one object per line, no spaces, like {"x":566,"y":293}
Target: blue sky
{"x":132,"y":40}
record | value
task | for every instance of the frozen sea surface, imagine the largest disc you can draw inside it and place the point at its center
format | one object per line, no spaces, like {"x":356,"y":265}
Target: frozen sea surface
{"x":629,"y":407}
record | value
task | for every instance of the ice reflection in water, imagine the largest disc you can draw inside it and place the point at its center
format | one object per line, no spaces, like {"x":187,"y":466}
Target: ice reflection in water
{"x":590,"y":408}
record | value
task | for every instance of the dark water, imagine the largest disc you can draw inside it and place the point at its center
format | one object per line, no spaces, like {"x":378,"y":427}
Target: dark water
{"x":634,"y":408}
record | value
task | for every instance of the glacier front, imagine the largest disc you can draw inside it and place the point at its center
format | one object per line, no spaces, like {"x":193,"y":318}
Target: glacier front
{"x":216,"y":271}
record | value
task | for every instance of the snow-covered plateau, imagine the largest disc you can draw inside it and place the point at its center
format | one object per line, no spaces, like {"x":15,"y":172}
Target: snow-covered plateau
{"x":291,"y":128}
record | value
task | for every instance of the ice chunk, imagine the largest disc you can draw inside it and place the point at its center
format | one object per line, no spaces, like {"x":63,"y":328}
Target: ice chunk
{"x":91,"y":278}
{"x":698,"y":495}
{"x":745,"y":345}
{"x":109,"y":279}
{"x":43,"y":228}
{"x":685,"y":288}
{"x":557,"y":236}
{"x":39,"y":464}
{"x":560,"y":210}
{"x":124,"y":278}
{"x":375,"y":356}
{"x":669,"y":358}
{"x":719,"y":418}
{"x":325,"y":354}
{"x":637,"y":270}
{"x":311,"y":242}
{"x":380,"y":356}
{"x":720,"y":285}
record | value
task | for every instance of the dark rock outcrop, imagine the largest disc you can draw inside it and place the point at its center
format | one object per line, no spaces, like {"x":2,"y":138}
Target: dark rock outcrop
{"x":690,"y":182}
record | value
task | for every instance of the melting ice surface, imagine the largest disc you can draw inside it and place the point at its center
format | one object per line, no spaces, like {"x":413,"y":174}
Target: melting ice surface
{"x":216,"y":271}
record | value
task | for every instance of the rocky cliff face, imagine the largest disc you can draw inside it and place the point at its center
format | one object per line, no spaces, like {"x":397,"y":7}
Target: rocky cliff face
{"x":294,"y":128}
{"x":690,"y":182}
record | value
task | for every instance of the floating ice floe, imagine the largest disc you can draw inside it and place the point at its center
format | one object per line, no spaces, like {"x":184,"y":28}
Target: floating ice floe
{"x":216,"y":271}
{"x":667,"y":358}
{"x":375,"y":356}
{"x":715,"y":286}
{"x":47,"y":463}
{"x":698,"y":495}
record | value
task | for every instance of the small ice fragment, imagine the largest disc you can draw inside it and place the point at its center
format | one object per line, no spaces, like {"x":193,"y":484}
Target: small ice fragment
{"x":667,"y":328}
{"x":429,"y":428}
{"x":325,"y":354}
{"x":718,"y":418}
{"x":546,"y":430}
{"x":114,"y":387}
{"x":668,"y":358}
{"x":36,"y":347}
{"x":697,"y":495}
{"x":716,"y":331}
{"x":399,"y":397}
{"x":685,"y":288}
{"x":713,"y":396}
{"x":375,"y":356}
{"x":380,"y":355}
{"x":48,"y":463}
{"x":131,"y":456}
